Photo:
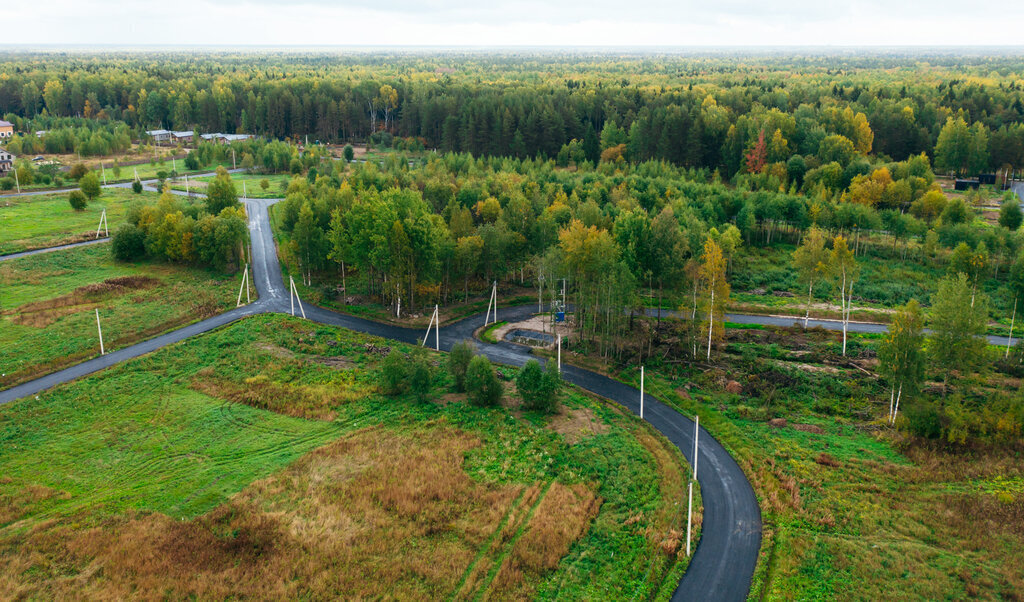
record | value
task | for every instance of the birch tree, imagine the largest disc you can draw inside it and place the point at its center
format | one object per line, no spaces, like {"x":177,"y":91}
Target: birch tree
{"x":811,"y":261}
{"x":901,"y":356}
{"x":843,"y":267}
{"x":715,"y":293}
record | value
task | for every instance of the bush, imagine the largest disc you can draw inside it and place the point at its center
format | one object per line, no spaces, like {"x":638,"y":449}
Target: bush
{"x":137,"y":187}
{"x":90,"y":185}
{"x":420,"y":377}
{"x":264,"y":184}
{"x":349,"y":153}
{"x":191,"y":161}
{"x":58,"y":181}
{"x":7,"y":183}
{"x":394,"y":372}
{"x":458,"y":362}
{"x":538,"y":388}
{"x":78,"y":200}
{"x":129,"y":243}
{"x":482,"y":385}
{"x":77,"y":171}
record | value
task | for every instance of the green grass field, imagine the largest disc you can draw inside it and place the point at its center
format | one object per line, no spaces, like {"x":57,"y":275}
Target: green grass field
{"x":48,"y":304}
{"x":247,"y":183}
{"x":169,"y":476}
{"x":39,"y":221}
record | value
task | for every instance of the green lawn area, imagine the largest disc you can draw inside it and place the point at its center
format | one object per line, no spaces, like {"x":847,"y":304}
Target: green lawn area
{"x":247,"y":183}
{"x":39,"y":221}
{"x":48,"y":305}
{"x":170,"y":476}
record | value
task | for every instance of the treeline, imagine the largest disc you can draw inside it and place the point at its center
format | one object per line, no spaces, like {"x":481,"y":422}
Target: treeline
{"x":705,"y":111}
{"x":176,"y":229}
{"x":86,"y":137}
{"x":617,"y":232}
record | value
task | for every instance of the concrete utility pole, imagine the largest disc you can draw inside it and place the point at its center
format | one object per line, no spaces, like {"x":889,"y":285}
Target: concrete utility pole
{"x":100,"y":331}
{"x":689,"y":517}
{"x":103,"y":224}
{"x":16,"y":182}
{"x":295,"y":291}
{"x":641,"y":392}
{"x":696,"y":433}
{"x":559,"y":354}
{"x":245,"y":285}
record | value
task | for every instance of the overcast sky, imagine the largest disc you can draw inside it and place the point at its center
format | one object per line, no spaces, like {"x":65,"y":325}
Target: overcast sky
{"x":517,"y":22}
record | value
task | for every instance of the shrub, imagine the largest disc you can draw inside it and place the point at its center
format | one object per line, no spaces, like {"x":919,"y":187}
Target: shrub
{"x":394,"y":373}
{"x":191,"y":161}
{"x":458,"y":362}
{"x":78,"y":200}
{"x":137,"y":187}
{"x":90,"y":185}
{"x":349,"y":153}
{"x":129,"y":243}
{"x":539,"y":388}
{"x":7,"y":183}
{"x":483,"y":386}
{"x":264,"y":184}
{"x":420,"y":377}
{"x":77,"y":171}
{"x":58,"y":181}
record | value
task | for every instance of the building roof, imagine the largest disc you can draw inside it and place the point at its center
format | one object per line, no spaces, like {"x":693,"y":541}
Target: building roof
{"x":185,"y":134}
{"x":5,"y":123}
{"x":157,"y":132}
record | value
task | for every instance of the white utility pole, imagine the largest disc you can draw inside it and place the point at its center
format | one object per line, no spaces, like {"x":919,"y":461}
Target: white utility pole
{"x":16,"y":182}
{"x":137,"y":175}
{"x":559,"y":354}
{"x":103,"y":170}
{"x":244,"y":193}
{"x":174,"y":166}
{"x":233,"y":164}
{"x":102,"y":225}
{"x":1009,"y":341}
{"x":100,"y":331}
{"x":492,"y":301}
{"x":641,"y":392}
{"x":187,"y":193}
{"x":689,"y":517}
{"x":245,"y":285}
{"x":435,"y":322}
{"x":696,"y":433}
{"x":295,"y":291}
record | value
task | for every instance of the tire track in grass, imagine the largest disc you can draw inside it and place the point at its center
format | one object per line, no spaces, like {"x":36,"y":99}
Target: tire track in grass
{"x":507,"y":548}
{"x":487,"y":544}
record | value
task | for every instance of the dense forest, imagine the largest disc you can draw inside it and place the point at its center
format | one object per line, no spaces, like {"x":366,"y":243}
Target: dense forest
{"x":705,"y":110}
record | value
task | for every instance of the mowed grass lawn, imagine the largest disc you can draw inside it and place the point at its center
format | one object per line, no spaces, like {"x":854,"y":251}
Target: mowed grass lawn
{"x":249,"y":184}
{"x":39,"y":221}
{"x":48,"y":303}
{"x":261,"y":461}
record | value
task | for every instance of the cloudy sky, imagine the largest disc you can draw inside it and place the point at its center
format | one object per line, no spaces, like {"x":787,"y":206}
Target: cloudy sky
{"x":517,"y":22}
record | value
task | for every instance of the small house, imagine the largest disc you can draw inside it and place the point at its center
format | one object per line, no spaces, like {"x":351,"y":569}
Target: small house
{"x":159,"y":135}
{"x":6,"y":161}
{"x":966,"y":184}
{"x":182,"y":137}
{"x":6,"y":129}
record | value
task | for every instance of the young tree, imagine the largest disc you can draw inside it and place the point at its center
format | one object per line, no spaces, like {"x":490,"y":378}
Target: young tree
{"x":221,"y":192}
{"x":458,"y":363}
{"x":482,"y":385}
{"x":1010,"y":215}
{"x":843,"y":267}
{"x":348,"y":153}
{"x":715,"y":293}
{"x":901,"y":357}
{"x":420,"y":377}
{"x":539,"y":388}
{"x":90,"y":185}
{"x":394,"y":373}
{"x":956,"y":342}
{"x":78,"y":200}
{"x":137,"y":187}
{"x":811,"y":260}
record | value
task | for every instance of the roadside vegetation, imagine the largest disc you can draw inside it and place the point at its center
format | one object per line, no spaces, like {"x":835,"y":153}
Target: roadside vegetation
{"x":264,"y":459}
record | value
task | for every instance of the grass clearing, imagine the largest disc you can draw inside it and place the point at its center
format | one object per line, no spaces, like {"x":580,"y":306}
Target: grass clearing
{"x":160,"y":489}
{"x":247,"y":183}
{"x":48,"y":303}
{"x":47,"y":220}
{"x":850,"y":509}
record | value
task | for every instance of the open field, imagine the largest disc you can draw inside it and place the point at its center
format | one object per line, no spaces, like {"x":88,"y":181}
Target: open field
{"x":189,"y":473}
{"x":252,"y":188}
{"x":48,"y":304}
{"x":39,"y":221}
{"x":851,"y":508}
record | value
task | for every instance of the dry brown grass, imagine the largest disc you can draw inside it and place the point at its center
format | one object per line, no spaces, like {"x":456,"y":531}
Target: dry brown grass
{"x":576,"y":424}
{"x":303,"y":401}
{"x":561,"y":517}
{"x":380,"y":514}
{"x":41,"y":314}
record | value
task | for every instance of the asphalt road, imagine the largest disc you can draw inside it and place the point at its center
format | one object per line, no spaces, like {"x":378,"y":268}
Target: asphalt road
{"x":723,"y":562}
{"x":49,"y":249}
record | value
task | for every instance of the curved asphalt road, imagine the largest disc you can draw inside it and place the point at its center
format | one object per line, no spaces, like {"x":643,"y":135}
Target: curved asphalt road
{"x":723,"y":563}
